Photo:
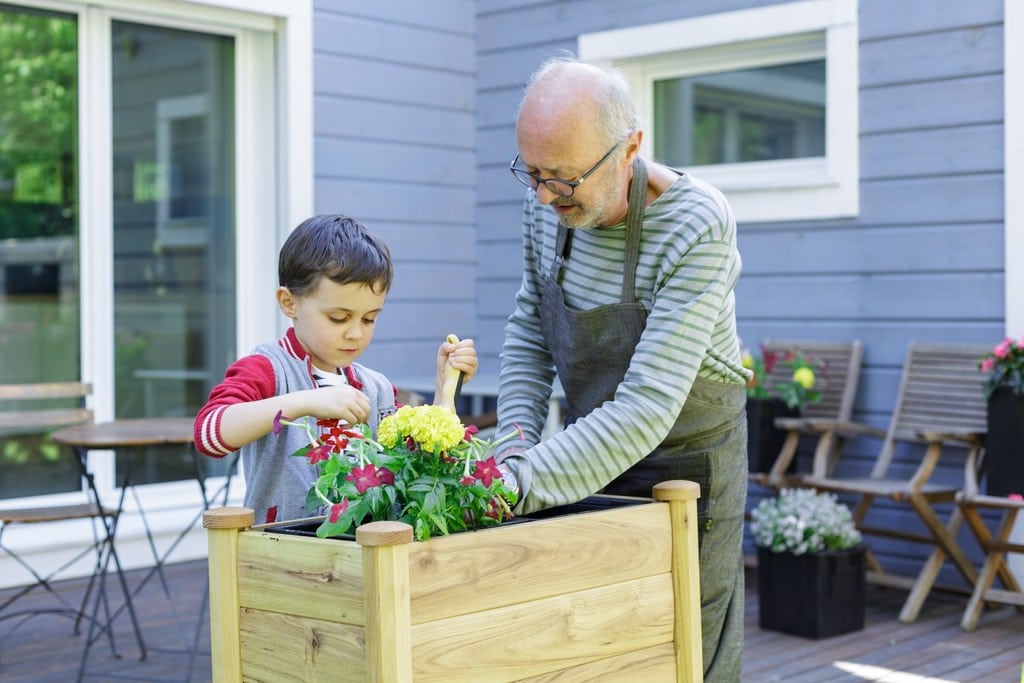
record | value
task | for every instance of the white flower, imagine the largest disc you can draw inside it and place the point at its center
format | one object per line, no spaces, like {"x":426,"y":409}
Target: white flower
{"x":802,"y":521}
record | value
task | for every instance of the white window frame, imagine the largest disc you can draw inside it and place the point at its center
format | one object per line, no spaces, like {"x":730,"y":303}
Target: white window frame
{"x":274,"y":190}
{"x":1013,"y":172}
{"x":782,"y":190}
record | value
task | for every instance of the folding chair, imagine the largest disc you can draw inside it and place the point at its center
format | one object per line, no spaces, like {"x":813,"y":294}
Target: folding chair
{"x":940,"y":391}
{"x":995,"y":546}
{"x":29,"y":410}
{"x":838,"y":386}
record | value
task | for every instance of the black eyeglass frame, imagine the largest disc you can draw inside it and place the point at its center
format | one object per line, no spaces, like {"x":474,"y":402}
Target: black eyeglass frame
{"x":533,"y":181}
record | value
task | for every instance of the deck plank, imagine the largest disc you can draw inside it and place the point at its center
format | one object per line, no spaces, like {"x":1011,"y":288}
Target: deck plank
{"x":933,"y":649}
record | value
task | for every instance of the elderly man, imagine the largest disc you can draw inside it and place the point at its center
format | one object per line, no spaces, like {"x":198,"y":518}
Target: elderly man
{"x":628,"y":275}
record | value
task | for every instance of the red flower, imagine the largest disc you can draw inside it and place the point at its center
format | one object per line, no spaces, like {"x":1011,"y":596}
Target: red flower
{"x":319,"y":454}
{"x":366,"y":477}
{"x":471,"y":430}
{"x":387,"y":477}
{"x":468,"y":480}
{"x":487,"y":471}
{"x":338,"y":509}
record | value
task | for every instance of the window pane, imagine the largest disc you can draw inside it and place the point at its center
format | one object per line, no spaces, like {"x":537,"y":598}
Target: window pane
{"x":773,"y":112}
{"x":174,"y":249}
{"x":38,"y":232}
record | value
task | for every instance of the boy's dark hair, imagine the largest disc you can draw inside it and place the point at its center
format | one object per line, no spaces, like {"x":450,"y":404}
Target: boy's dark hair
{"x":338,"y":248}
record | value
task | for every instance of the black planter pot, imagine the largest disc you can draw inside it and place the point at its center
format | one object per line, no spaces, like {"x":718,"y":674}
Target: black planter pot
{"x":814,"y":595}
{"x":1004,"y":444}
{"x":764,"y":441}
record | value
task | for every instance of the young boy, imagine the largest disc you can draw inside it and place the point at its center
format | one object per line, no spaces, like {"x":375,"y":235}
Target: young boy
{"x":333,"y":276}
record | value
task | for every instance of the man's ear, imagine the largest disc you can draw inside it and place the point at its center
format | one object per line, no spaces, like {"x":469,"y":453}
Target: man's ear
{"x":286,"y":301}
{"x":633,"y":146}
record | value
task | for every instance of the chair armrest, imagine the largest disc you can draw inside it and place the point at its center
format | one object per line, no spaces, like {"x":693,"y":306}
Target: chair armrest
{"x":846,"y":430}
{"x":961,"y":438}
{"x":972,"y":465}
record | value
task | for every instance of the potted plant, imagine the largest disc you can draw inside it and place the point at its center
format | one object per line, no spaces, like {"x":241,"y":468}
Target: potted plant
{"x":1004,"y":442}
{"x":810,"y":564}
{"x":771,"y":396}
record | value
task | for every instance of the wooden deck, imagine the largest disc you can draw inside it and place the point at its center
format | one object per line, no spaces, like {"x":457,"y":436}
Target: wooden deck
{"x":932,"y":650}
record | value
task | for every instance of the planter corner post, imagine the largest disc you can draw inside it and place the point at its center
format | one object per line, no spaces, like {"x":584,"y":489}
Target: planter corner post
{"x":681,"y":497}
{"x":223,"y":526}
{"x":386,"y":594}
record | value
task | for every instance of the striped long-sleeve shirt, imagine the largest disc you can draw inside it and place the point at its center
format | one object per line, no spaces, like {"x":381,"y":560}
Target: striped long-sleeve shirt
{"x":688,"y":266}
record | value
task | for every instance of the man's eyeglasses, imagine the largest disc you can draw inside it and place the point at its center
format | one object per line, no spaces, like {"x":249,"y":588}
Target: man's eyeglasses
{"x":563,"y":188}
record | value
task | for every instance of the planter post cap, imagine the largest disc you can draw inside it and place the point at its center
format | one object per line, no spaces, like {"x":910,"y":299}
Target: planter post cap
{"x":677,"y":489}
{"x":384,"y":532}
{"x":229,"y":518}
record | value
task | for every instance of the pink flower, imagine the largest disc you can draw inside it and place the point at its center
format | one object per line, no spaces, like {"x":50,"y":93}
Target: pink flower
{"x":338,"y":509}
{"x":487,"y":471}
{"x":319,"y":453}
{"x":1002,"y":348}
{"x":277,"y":422}
{"x":988,"y":364}
{"x":365,"y":477}
{"x":1015,"y":496}
{"x":470,"y":431}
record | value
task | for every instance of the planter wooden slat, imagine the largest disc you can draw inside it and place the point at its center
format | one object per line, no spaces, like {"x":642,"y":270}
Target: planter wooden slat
{"x":611,"y":594}
{"x":520,"y":563}
{"x":316,"y":650}
{"x":560,"y":632}
{"x":313,"y":577}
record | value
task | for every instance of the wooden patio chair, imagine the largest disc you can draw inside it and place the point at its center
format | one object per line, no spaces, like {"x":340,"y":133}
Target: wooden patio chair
{"x":972,"y":504}
{"x":28,"y":409}
{"x":940,"y":392}
{"x":838,"y":391}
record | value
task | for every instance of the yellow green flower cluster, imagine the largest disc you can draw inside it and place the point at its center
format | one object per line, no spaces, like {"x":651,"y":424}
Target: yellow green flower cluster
{"x":434,"y":428}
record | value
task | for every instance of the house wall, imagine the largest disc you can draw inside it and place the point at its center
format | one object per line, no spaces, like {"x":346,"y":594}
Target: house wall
{"x":922,"y":261}
{"x":394,"y":113}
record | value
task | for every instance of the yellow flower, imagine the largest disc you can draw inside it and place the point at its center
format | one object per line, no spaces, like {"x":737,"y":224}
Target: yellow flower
{"x":804,"y":377}
{"x":748,"y":361}
{"x":435,"y":428}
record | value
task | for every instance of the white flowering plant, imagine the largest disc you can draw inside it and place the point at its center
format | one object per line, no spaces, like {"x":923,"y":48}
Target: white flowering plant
{"x":801,"y":520}
{"x":425,"y":468}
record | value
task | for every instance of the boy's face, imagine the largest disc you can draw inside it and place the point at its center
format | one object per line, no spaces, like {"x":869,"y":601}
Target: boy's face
{"x":335,"y":323}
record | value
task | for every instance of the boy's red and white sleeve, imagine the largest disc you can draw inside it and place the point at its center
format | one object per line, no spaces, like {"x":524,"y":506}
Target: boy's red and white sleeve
{"x":248,"y":379}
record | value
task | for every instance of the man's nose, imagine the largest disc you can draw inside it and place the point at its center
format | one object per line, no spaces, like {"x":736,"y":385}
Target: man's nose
{"x":545,"y":195}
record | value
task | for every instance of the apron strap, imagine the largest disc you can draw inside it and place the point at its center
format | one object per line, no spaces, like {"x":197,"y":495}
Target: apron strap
{"x":634,"y":228}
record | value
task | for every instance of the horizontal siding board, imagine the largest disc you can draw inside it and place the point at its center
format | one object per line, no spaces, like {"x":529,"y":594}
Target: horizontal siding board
{"x":371,"y":201}
{"x":385,"y":82}
{"x":947,"y":248}
{"x":931,"y":200}
{"x":879,"y":18}
{"x":452,"y":16}
{"x":968,"y":296}
{"x":933,"y":151}
{"x":355,"y":36}
{"x":398,"y":122}
{"x":395,"y":162}
{"x":426,"y":242}
{"x":932,"y":56}
{"x":952,"y":102}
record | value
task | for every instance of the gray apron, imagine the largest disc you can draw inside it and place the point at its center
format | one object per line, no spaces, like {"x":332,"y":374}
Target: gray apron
{"x":592,"y":350}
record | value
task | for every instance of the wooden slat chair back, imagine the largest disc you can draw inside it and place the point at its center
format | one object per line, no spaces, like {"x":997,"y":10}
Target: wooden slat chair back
{"x":838,"y":386}
{"x":27,"y":409}
{"x":939,"y":393}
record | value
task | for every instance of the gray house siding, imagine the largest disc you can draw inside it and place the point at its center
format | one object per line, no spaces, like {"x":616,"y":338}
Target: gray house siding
{"x":922,"y":260}
{"x":394,"y":117}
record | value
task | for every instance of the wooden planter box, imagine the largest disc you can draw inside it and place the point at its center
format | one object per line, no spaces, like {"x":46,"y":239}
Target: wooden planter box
{"x":594,"y":596}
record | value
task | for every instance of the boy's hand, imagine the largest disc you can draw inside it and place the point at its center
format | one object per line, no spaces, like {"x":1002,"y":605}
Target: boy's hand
{"x":340,"y":402}
{"x":460,"y":355}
